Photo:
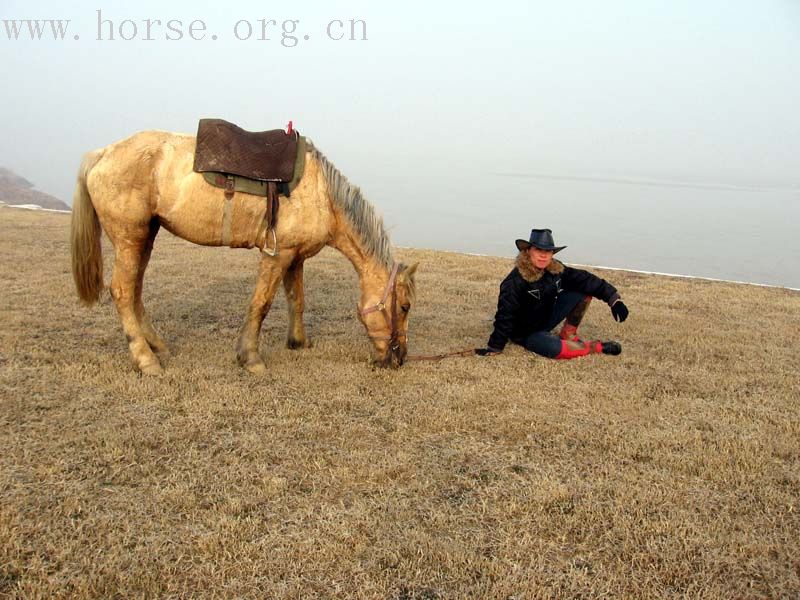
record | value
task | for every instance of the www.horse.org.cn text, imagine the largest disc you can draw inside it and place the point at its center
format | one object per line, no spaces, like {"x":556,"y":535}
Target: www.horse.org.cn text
{"x":289,"y":33}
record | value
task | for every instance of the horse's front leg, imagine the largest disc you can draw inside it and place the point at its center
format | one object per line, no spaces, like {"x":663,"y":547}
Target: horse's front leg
{"x":295,"y":302}
{"x":270,"y":273}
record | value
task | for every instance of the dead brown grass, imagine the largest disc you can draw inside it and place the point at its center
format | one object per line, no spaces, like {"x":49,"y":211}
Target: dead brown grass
{"x":669,"y":472}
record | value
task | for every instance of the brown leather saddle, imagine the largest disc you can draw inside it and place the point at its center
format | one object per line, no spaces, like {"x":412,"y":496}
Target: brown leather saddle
{"x":223,"y":147}
{"x":263,"y":163}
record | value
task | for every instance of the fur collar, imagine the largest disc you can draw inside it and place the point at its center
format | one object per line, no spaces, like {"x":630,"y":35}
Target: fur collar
{"x":530,"y":273}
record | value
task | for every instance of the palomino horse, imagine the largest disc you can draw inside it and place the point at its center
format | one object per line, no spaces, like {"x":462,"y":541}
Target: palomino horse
{"x":135,"y":186}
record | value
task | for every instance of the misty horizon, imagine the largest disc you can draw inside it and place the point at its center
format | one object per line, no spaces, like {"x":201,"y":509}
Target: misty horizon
{"x":434,"y":111}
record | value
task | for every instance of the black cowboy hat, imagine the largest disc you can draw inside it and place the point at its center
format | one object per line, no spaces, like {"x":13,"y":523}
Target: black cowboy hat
{"x":540,"y":238}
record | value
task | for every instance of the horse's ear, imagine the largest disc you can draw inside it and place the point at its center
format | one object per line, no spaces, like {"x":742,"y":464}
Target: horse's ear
{"x":408,"y":272}
{"x":406,"y":277}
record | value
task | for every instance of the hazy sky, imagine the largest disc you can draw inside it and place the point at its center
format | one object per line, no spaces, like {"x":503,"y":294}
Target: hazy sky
{"x":676,"y":90}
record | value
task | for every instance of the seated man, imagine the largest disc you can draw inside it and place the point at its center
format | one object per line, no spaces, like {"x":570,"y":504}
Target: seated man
{"x":540,"y":293}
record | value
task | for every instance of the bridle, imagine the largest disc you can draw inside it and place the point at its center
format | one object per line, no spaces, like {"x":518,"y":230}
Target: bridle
{"x":390,"y":314}
{"x":390,"y":293}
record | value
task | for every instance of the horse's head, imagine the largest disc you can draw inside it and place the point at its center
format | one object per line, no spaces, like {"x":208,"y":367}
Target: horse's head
{"x":387,"y":321}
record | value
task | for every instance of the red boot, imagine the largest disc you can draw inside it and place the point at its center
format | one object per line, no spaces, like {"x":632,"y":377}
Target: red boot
{"x":568,"y":332}
{"x":576,"y":348}
{"x":570,"y":328}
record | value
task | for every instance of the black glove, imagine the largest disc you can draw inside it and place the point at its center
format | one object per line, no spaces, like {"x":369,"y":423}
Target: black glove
{"x":619,"y":310}
{"x":486,"y":351}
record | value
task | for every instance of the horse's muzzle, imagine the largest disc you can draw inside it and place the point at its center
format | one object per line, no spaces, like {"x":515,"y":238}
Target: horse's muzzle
{"x":394,"y":357}
{"x":399,"y":356}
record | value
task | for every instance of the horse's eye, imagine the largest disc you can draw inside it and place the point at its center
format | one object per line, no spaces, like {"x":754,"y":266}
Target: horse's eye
{"x":406,"y":307}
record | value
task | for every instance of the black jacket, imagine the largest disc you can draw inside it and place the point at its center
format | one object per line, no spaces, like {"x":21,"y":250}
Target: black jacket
{"x":528,"y":296}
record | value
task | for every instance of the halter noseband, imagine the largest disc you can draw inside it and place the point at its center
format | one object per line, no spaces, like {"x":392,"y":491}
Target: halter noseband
{"x":391,"y":290}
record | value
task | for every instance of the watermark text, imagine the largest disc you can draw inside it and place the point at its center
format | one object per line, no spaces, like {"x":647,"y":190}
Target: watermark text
{"x":110,"y":28}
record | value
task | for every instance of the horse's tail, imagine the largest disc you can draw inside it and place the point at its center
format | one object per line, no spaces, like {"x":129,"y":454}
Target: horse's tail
{"x":87,"y":253}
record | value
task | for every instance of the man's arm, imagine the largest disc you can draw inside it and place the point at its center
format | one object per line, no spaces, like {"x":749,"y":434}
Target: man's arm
{"x":592,"y":285}
{"x":507,"y":309}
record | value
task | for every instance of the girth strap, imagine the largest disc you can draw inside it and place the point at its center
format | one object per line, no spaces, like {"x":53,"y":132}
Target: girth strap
{"x":271,"y":218}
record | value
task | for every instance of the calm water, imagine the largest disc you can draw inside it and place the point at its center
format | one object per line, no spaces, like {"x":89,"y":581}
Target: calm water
{"x":740,"y":235}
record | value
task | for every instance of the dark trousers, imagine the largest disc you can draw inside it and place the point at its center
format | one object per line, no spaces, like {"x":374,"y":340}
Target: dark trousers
{"x":545,"y":343}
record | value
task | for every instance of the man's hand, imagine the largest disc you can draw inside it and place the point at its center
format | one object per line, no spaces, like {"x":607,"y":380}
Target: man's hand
{"x":486,"y":351}
{"x":619,"y":310}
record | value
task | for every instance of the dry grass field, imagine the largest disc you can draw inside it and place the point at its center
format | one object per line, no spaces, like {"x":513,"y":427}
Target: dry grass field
{"x":671,"y":471}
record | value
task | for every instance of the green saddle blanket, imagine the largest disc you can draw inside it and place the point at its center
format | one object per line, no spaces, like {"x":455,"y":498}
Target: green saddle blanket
{"x":259,"y":188}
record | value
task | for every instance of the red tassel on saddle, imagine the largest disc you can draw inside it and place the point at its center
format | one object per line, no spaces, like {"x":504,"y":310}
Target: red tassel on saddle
{"x":289,"y":128}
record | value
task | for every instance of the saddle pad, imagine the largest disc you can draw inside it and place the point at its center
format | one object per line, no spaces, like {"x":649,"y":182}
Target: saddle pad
{"x":259,"y":188}
{"x":226,"y":148}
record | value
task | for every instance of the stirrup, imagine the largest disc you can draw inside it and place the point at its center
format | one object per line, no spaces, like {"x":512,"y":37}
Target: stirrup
{"x":274,"y":251}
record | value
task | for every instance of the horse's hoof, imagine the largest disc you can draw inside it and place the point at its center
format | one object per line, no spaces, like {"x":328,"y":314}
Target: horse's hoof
{"x":152,"y":369}
{"x":295,"y":344}
{"x":256,"y":368}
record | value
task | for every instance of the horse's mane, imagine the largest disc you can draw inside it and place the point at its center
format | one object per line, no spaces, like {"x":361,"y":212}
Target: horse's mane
{"x":361,"y":215}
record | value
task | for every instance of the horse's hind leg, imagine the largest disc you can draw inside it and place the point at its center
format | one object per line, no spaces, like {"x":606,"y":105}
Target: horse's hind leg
{"x":156,"y":343}
{"x":128,"y":258}
{"x":295,"y":301}
{"x":271,"y":271}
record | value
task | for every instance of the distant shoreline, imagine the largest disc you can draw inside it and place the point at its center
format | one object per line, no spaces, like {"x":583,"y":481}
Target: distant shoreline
{"x":36,"y":207}
{"x":765,"y":285}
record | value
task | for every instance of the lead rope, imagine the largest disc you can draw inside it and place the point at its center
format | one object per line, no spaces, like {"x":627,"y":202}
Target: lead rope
{"x":438,"y":357}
